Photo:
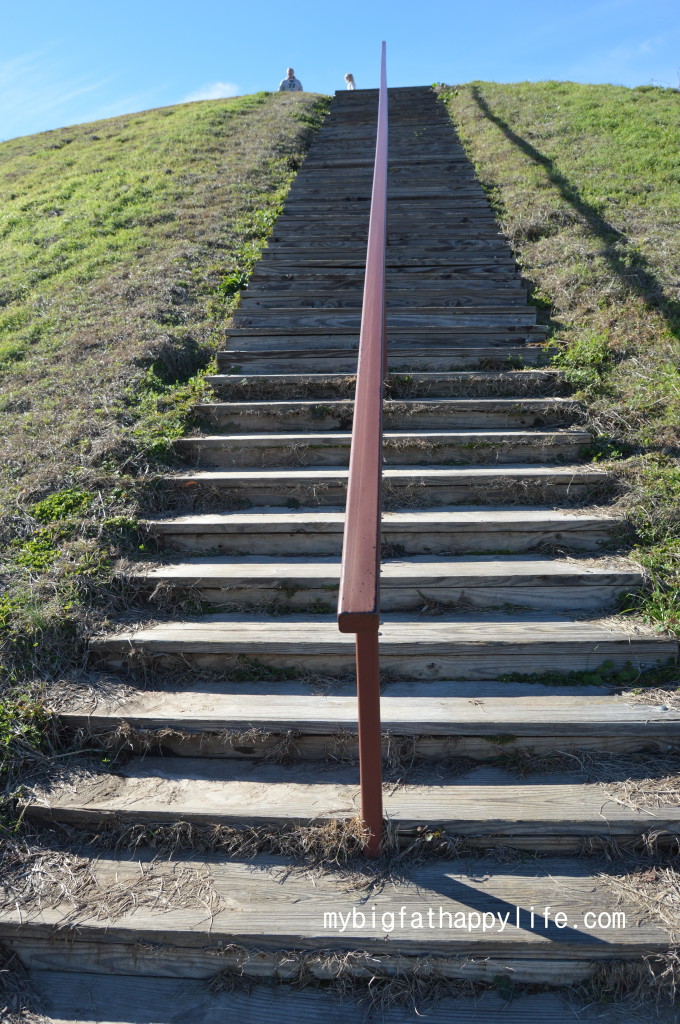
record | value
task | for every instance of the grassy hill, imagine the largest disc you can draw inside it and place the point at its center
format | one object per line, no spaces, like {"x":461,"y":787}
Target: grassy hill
{"x":586,"y":182}
{"x":122,"y":246}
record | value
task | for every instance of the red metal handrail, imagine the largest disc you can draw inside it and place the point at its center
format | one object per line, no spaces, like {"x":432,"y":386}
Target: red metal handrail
{"x":359,"y":600}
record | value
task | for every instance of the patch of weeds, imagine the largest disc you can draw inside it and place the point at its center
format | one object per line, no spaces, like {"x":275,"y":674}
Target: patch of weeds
{"x":644,"y":984}
{"x":605,"y":448}
{"x":163,"y":411}
{"x":23,"y":718}
{"x":61,"y":505}
{"x":651,"y":502}
{"x":585,"y":361}
{"x":605,"y":675}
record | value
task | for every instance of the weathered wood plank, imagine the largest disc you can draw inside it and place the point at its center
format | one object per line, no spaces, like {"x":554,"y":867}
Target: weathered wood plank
{"x":407,"y":709}
{"x":432,"y":531}
{"x":421,"y":448}
{"x":484,"y":801}
{"x":337,"y":386}
{"x":267,"y":335}
{"x":449,"y":413}
{"x":401,"y":359}
{"x":85,"y":999}
{"x":317,"y":298}
{"x":490,"y":273}
{"x":448,"y":646}
{"x":162,"y":960}
{"x":393,"y":258}
{"x":439,"y":246}
{"x":300,"y":582}
{"x":428,"y":485}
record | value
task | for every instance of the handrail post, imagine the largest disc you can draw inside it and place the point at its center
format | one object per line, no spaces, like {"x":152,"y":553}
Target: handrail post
{"x":359,"y":599}
{"x":370,"y":738}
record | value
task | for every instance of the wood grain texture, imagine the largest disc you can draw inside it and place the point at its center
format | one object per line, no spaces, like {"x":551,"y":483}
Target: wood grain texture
{"x":420,"y":414}
{"x":399,"y":359}
{"x":166,"y":960}
{"x":86,"y":999}
{"x":276,"y":532}
{"x":441,"y":648}
{"x":302,"y":581}
{"x":258,"y":910}
{"x":516,"y":383}
{"x":408,"y":709}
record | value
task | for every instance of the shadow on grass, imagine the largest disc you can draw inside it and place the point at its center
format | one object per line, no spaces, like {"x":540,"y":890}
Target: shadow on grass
{"x":632,"y":268}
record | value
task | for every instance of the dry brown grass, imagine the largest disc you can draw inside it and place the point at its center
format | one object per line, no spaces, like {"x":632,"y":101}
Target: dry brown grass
{"x":19,"y":1001}
{"x":654,"y":889}
{"x":39,"y":877}
{"x":642,"y":781}
{"x":667,"y":699}
{"x":377,"y":983}
{"x":649,"y":983}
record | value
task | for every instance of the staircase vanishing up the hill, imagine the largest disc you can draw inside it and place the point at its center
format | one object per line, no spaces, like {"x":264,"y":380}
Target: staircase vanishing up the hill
{"x":495,"y":564}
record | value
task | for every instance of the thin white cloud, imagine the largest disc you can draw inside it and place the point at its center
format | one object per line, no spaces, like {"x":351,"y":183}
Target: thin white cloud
{"x":635,"y":50}
{"x":35,"y":94}
{"x":213,"y":91}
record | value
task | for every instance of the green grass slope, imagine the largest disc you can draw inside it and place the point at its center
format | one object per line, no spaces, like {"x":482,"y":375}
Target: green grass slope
{"x":586,"y":182}
{"x":122,"y":247}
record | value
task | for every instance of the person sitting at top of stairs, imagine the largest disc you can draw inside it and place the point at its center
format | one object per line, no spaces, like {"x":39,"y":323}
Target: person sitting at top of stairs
{"x":290,"y":83}
{"x":349,"y":78}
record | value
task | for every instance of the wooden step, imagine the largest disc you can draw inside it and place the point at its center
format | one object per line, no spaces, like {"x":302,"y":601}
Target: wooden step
{"x":319,"y":232}
{"x":431,"y":413}
{"x":340,"y":241}
{"x":394,"y":258}
{"x":516,"y":384}
{"x":481,"y":276}
{"x":437,"y":317}
{"x":316,"y":282}
{"x":354,"y":216}
{"x":360,"y":191}
{"x":401,"y":359}
{"x":471,"y":207}
{"x":541,"y":812}
{"x":427,"y":447}
{"x":458,"y":719}
{"x":300,"y":582}
{"x":410,"y":487}
{"x":406,"y":173}
{"x":316,"y":299}
{"x":134,"y":999}
{"x":467,"y":198}
{"x":413,"y":175}
{"x":256,"y":910}
{"x":422,"y":342}
{"x":359,"y":163}
{"x":429,"y":532}
{"x":441,"y":647}
{"x":400,"y":335}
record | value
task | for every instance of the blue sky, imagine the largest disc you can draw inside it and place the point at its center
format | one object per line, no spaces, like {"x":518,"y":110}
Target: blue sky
{"x":75,"y":61}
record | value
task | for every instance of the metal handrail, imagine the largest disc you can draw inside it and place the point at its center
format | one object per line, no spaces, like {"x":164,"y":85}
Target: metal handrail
{"x":359,"y":599}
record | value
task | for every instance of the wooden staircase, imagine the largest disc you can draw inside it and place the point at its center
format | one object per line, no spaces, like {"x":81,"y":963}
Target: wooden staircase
{"x":495,"y":566}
